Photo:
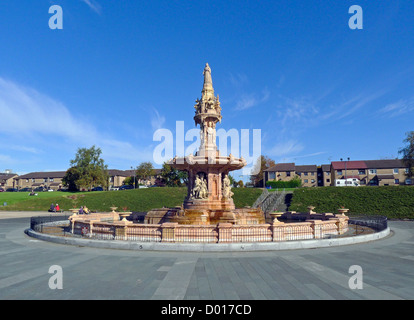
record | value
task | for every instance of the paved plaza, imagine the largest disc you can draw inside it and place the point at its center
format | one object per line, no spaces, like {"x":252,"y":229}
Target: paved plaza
{"x":92,"y":273}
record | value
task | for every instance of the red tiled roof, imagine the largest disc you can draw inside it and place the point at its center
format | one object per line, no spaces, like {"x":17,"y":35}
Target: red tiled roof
{"x":340,"y":165}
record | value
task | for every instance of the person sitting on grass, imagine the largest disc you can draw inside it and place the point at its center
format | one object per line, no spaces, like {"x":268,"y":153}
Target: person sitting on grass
{"x":85,"y":210}
{"x":52,"y":208}
{"x":81,"y":210}
{"x":57,"y":208}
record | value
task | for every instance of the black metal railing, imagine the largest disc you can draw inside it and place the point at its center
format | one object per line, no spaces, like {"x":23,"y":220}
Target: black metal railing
{"x":53,"y":224}
{"x":364,"y":224}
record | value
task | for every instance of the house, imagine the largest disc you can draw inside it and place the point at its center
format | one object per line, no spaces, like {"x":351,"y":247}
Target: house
{"x":288,"y":171}
{"x":116,"y":177}
{"x":324,"y":175}
{"x":150,"y":181}
{"x":387,"y":172}
{"x":280,"y":172}
{"x":308,"y":175}
{"x":349,"y":169}
{"x":33,"y":180}
{"x":7,"y":180}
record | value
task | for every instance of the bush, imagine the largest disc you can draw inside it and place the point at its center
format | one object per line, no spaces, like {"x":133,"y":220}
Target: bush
{"x":396,"y":202}
{"x":294,"y":183}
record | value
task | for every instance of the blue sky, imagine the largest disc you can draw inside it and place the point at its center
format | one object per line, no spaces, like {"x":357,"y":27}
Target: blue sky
{"x":119,"y":70}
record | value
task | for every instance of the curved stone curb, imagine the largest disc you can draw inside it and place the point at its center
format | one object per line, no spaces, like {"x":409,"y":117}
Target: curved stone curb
{"x":209,"y":247}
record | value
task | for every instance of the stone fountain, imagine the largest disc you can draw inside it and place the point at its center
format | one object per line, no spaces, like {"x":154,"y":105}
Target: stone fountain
{"x":209,"y":196}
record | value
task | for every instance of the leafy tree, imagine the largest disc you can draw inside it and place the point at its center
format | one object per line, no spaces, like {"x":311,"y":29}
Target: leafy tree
{"x":70,"y":178}
{"x":128,"y":181}
{"x":263,"y":163}
{"x":145,"y":171}
{"x":87,"y":170}
{"x":408,"y":153}
{"x":172,"y":177}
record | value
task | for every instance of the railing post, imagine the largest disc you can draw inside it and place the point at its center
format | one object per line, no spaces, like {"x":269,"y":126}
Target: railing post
{"x":121,"y":228}
{"x":317,"y":229}
{"x":278,"y":231}
{"x":225,"y":232}
{"x":168,"y":231}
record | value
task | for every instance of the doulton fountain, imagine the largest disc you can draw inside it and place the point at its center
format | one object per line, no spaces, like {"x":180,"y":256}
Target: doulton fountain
{"x":208,"y":213}
{"x":209,"y":196}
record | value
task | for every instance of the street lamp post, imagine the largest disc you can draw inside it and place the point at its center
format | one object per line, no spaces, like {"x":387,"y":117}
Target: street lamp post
{"x":345,"y":170}
{"x":133,"y":171}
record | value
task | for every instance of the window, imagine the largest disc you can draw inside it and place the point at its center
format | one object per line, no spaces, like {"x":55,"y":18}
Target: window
{"x":328,"y":180}
{"x":305,"y":173}
{"x":51,"y":179}
{"x":406,"y":170}
{"x":361,"y":171}
{"x":339,"y":172}
{"x":395,"y":170}
{"x":372,"y":171}
{"x":313,"y":173}
{"x":408,"y":181}
{"x":397,"y":181}
{"x":27,"y":180}
{"x":313,"y":180}
{"x":288,"y":174}
{"x":272,"y":175}
{"x":306,"y":180}
{"x":45,"y":180}
{"x":327,"y":173}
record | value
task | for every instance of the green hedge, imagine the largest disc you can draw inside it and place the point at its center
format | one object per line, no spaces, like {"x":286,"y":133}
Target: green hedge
{"x":391,"y":201}
{"x":294,"y":183}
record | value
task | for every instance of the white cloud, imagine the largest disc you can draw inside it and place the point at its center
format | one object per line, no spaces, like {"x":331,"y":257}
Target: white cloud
{"x":238,"y":80}
{"x":95,"y":6}
{"x":248,"y":101}
{"x":285,"y":148}
{"x":157,"y":121}
{"x":25,"y":111}
{"x":45,"y":124}
{"x":398,"y":108}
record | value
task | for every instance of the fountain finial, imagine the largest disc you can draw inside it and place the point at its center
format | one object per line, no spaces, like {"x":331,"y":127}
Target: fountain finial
{"x":208,"y":91}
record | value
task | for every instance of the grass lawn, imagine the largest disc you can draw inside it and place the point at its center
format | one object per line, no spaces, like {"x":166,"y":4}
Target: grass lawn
{"x":140,"y":200}
{"x":22,"y":201}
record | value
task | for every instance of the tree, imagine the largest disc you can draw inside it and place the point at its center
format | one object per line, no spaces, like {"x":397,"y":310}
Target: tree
{"x":408,"y":153}
{"x":129,"y":181}
{"x":145,"y":171}
{"x":263,"y":163}
{"x":87,"y":170}
{"x":70,"y":178}
{"x":172,"y":177}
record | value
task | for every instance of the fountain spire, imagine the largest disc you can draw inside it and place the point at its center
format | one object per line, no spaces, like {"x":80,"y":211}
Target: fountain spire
{"x":208,"y":90}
